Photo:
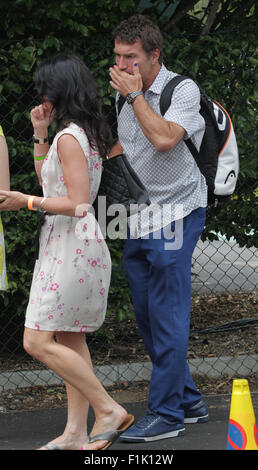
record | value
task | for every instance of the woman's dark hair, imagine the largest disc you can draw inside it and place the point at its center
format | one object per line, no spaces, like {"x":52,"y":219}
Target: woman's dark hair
{"x":68,"y":84}
{"x":140,"y":27}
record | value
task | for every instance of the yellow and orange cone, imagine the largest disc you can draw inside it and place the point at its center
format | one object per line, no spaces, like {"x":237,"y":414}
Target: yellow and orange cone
{"x":242,"y":430}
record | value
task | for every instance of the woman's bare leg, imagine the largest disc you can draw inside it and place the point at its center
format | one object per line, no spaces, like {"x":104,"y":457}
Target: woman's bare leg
{"x":69,"y":365}
{"x":75,"y":432}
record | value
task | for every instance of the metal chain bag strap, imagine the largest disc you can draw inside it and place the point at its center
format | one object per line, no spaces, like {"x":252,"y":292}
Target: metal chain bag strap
{"x":121,"y":185}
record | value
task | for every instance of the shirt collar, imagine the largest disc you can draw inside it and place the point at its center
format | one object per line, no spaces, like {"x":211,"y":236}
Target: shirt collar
{"x":158,"y":84}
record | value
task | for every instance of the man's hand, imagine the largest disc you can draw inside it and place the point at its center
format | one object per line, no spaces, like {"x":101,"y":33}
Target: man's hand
{"x":163,"y":134}
{"x":124,"y":82}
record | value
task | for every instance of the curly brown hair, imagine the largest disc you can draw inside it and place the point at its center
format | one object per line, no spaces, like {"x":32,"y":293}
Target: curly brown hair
{"x":140,"y":27}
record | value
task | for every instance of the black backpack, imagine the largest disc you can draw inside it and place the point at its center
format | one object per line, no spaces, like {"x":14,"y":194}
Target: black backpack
{"x":218,"y":158}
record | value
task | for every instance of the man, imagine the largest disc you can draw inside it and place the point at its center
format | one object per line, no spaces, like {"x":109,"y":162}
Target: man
{"x":159,"y":270}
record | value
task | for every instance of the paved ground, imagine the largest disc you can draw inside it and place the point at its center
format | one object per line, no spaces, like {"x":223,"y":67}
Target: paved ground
{"x":31,"y":429}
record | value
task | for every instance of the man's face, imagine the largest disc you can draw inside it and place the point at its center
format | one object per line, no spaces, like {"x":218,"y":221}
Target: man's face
{"x":129,"y":54}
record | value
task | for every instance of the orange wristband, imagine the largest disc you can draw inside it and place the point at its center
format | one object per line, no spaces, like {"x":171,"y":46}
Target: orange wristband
{"x":30,"y":203}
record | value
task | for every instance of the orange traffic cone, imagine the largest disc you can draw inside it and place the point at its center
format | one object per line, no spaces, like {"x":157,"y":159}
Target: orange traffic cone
{"x":242,"y":430}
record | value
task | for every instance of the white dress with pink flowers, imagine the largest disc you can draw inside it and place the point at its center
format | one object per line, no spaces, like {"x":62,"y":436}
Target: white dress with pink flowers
{"x":72,"y":274}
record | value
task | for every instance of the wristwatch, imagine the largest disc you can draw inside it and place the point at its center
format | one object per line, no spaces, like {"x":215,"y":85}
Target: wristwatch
{"x":131,"y":96}
{"x":39,"y":140}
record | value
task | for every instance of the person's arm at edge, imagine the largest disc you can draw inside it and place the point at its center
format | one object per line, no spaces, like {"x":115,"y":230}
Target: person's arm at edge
{"x":4,"y":165}
{"x":75,"y":171}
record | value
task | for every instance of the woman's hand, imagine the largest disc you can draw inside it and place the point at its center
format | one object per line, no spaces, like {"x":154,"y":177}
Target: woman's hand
{"x":42,"y":116}
{"x":13,"y":201}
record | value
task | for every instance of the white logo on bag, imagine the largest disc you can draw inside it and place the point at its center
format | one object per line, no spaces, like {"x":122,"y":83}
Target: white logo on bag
{"x":217,"y":112}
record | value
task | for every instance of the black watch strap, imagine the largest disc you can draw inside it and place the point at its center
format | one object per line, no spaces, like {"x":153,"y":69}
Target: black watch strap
{"x":40,"y":140}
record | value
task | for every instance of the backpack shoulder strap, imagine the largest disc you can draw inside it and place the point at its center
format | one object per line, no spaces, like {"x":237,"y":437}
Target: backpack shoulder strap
{"x":165,"y":101}
{"x":166,"y":95}
{"x":120,"y":103}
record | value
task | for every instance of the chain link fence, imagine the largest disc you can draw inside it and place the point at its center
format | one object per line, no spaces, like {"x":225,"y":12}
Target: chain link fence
{"x":224,"y":305}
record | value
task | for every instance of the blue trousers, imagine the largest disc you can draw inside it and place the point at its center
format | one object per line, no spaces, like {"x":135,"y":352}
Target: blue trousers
{"x":160,"y":283}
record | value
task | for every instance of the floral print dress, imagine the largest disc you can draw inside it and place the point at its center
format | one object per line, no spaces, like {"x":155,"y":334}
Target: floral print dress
{"x":72,"y":274}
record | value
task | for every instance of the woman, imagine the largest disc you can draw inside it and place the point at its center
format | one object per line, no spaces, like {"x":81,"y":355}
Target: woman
{"x":71,"y":277}
{"x":5,"y":185}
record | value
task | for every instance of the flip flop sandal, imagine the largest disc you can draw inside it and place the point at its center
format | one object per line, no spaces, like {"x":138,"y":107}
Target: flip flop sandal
{"x":50,"y":446}
{"x":112,"y":435}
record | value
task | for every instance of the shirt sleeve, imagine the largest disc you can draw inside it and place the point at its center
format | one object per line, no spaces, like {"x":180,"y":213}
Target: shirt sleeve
{"x":185,"y":107}
{"x":1,"y":131}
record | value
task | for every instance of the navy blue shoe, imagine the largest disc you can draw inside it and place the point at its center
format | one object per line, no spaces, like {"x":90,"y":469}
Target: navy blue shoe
{"x":152,"y":428}
{"x":198,"y":413}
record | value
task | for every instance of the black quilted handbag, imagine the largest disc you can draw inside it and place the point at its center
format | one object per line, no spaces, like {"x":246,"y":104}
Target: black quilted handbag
{"x":120,"y":185}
